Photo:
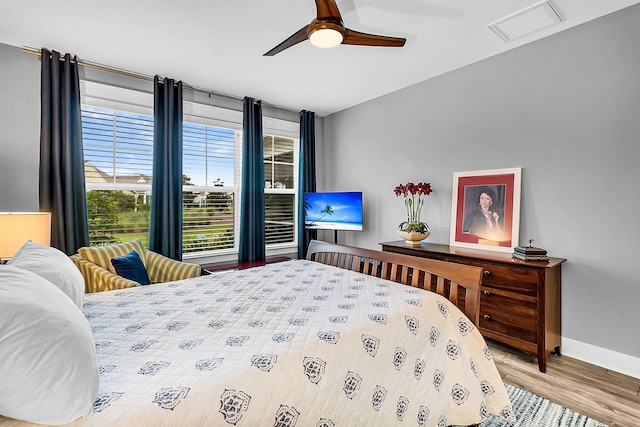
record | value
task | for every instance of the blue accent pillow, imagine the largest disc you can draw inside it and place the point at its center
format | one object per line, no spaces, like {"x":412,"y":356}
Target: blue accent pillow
{"x":130,"y":267}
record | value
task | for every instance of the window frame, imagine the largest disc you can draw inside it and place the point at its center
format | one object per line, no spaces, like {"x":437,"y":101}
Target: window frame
{"x":137,"y":108}
{"x":208,"y":115}
{"x":272,"y":189}
{"x":291,"y":130}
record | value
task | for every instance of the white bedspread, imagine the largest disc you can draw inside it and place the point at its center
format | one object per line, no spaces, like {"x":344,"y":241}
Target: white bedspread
{"x":289,"y":344}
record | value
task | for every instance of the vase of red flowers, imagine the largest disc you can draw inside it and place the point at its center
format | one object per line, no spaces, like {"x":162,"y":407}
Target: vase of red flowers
{"x":413,"y":230}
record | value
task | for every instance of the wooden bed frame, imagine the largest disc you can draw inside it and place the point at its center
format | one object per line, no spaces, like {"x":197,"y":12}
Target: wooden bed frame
{"x":457,"y":282}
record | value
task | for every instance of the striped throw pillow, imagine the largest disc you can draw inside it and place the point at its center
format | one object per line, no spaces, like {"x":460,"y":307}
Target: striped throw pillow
{"x":101,"y":255}
{"x":162,"y":269}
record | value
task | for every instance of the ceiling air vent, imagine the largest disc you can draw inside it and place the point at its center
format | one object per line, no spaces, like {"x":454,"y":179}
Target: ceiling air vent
{"x":527,"y":21}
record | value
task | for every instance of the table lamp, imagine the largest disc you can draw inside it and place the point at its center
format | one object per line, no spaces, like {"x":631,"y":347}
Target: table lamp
{"x":18,"y":227}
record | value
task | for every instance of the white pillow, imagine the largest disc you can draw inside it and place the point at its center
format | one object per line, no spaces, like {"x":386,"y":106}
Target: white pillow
{"x":48,"y":363}
{"x":53,"y":265}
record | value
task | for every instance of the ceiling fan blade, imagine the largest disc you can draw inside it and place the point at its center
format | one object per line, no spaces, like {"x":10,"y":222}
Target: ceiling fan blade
{"x":364,"y":39}
{"x":297,"y":37}
{"x":328,"y":9}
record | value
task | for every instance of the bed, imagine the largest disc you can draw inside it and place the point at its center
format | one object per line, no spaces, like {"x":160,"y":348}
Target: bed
{"x":348,"y":337}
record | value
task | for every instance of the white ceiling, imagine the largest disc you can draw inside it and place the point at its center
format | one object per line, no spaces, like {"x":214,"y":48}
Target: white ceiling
{"x":218,"y":44}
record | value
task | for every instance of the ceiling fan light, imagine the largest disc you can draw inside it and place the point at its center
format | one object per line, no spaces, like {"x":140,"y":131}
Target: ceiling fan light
{"x":326,"y":38}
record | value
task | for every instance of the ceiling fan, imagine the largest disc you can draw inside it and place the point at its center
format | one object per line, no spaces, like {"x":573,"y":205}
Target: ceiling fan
{"x":328,"y":30}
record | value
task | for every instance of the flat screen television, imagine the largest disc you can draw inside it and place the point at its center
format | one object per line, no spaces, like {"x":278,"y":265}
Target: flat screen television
{"x":339,"y":210}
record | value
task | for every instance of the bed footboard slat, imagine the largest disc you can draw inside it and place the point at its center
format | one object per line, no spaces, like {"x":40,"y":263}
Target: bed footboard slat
{"x":394,"y":273}
{"x":440,"y":285}
{"x":453,"y":293}
{"x":343,"y":261}
{"x":415,"y":279}
{"x":428,"y":278}
{"x":404,"y":279}
{"x":369,"y":266}
{"x":385,"y":272}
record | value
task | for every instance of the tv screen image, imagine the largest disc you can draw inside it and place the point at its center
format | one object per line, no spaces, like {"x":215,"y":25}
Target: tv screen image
{"x":333,"y":210}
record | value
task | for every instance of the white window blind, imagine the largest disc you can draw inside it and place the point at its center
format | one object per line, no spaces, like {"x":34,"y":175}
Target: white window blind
{"x":118,"y":151}
{"x":280,"y":189}
{"x":209,"y":188}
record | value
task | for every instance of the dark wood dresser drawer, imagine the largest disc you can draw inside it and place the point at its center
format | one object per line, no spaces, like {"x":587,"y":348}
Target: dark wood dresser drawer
{"x":507,"y":313}
{"x":503,"y":322}
{"x":517,"y":303}
{"x":509,"y":278}
{"x":520,"y":300}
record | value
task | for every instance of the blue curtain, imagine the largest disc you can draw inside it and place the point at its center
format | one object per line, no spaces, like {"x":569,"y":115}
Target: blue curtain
{"x":62,"y":186}
{"x":165,"y":228}
{"x":252,"y":227}
{"x":306,"y":177}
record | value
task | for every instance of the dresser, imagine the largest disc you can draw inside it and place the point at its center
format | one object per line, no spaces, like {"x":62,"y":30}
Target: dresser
{"x":519,"y":300}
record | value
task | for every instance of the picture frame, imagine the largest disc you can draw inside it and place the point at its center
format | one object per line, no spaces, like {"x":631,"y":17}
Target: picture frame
{"x":485,"y":209}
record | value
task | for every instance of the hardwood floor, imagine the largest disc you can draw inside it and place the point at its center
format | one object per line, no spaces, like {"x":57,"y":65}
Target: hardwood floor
{"x":606,"y":396}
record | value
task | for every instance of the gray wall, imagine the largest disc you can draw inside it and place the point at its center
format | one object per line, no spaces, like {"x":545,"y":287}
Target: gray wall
{"x":567,"y":110}
{"x":19,"y":130}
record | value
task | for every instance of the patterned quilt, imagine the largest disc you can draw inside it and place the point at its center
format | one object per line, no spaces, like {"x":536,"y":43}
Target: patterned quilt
{"x":288,"y":344}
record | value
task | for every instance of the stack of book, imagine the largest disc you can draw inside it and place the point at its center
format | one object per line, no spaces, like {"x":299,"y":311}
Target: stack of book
{"x":530,"y":253}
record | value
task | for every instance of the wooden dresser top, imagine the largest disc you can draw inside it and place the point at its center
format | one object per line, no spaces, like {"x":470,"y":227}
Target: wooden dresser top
{"x":484,"y":255}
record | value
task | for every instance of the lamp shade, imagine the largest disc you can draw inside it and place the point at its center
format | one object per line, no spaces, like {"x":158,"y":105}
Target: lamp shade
{"x":18,"y":227}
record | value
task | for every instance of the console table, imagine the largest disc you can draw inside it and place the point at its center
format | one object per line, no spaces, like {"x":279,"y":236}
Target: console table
{"x":519,"y":300}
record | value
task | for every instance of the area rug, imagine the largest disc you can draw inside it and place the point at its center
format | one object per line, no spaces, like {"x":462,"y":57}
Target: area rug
{"x":534,"y":411}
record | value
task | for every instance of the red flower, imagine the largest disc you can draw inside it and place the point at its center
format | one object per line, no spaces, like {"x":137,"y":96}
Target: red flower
{"x":413,"y":204}
{"x":425,"y":188}
{"x":400,"y":189}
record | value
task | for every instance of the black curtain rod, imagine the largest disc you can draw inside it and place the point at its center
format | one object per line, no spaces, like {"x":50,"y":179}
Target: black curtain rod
{"x":100,"y":67}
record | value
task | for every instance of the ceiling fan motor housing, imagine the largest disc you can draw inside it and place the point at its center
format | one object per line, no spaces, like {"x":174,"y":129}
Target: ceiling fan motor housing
{"x":333,"y":32}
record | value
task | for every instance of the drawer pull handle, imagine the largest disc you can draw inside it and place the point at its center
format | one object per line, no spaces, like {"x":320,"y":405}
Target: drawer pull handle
{"x":487,"y":317}
{"x":486,"y":292}
{"x":487,"y":273}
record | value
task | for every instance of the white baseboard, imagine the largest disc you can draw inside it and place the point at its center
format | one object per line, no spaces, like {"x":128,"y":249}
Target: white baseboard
{"x":618,"y":362}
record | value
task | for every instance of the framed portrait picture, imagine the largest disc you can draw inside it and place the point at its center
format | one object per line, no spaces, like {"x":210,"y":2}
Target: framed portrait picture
{"x":485,"y":209}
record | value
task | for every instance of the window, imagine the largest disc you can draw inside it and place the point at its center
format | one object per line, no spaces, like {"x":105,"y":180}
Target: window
{"x":118,"y":150}
{"x":280,"y":189}
{"x":117,"y":126}
{"x":209,"y":190}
